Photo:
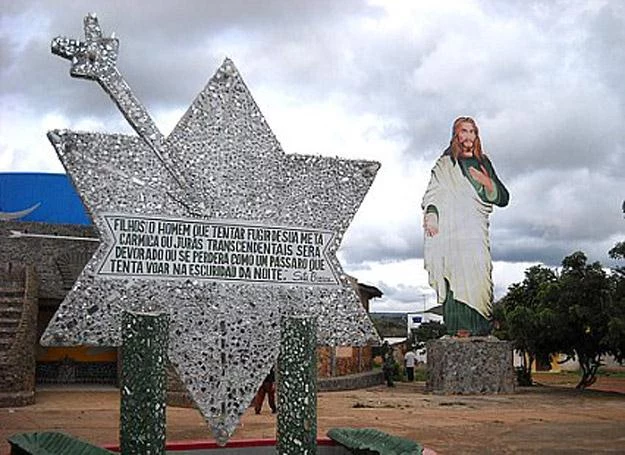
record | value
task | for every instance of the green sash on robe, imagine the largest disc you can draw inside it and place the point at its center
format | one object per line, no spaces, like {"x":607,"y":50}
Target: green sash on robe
{"x":459,"y":316}
{"x":500,"y":195}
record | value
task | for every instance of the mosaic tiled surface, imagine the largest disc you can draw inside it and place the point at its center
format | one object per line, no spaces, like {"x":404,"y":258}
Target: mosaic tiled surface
{"x":143,"y":383}
{"x":297,"y":388}
{"x":221,"y":162}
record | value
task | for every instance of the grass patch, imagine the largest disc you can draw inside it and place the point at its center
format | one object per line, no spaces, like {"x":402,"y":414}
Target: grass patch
{"x":420,"y":374}
{"x":611,"y":372}
{"x":603,"y":371}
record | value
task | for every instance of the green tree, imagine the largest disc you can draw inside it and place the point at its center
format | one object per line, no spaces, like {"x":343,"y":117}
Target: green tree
{"x":580,"y":313}
{"x":618,"y":252}
{"x":616,"y":326}
{"x":591,"y":318}
{"x":523,"y":317}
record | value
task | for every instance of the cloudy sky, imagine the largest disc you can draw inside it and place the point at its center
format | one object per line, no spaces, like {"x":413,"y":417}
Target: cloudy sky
{"x":379,"y":80}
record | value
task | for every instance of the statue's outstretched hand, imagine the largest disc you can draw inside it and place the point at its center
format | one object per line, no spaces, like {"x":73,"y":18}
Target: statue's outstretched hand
{"x":430,"y":224}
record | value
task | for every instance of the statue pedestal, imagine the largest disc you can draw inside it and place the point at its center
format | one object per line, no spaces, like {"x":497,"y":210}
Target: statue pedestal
{"x":469,"y":366}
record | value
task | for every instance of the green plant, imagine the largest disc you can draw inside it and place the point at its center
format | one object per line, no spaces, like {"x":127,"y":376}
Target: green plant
{"x":420,"y":374}
{"x":580,"y":313}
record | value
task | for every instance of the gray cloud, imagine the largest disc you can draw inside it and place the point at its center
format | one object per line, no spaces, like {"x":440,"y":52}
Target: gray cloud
{"x":604,"y":51}
{"x":167,"y":53}
{"x":403,"y":293}
{"x":387,"y":245}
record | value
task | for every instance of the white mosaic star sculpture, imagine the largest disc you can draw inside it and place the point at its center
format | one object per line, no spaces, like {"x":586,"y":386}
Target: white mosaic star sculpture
{"x":219,"y":176}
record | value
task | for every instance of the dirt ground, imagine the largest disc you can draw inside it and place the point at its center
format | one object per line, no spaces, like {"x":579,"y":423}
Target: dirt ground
{"x":551,"y":417}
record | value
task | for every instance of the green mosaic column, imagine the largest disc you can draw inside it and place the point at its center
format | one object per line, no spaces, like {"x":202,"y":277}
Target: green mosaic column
{"x":143,"y":383}
{"x":297,"y":387}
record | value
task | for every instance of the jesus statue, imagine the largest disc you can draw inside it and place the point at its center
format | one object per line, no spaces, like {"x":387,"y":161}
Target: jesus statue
{"x":459,"y":198}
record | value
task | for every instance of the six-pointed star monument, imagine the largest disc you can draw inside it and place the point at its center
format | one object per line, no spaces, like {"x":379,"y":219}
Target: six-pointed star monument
{"x":214,"y":225}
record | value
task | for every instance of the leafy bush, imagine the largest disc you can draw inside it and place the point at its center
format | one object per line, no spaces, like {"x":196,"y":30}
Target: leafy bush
{"x":579,"y":312}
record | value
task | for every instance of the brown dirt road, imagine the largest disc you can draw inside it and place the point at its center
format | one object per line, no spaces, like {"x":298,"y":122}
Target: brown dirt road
{"x":552,"y":418}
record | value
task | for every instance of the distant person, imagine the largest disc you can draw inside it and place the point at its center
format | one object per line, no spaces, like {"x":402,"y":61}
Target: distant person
{"x":388,"y":364}
{"x":268,"y":387}
{"x":459,"y":198}
{"x":409,"y":359}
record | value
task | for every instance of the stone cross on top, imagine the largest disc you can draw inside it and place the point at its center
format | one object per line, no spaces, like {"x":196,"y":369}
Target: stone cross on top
{"x":96,"y":58}
{"x":214,"y":225}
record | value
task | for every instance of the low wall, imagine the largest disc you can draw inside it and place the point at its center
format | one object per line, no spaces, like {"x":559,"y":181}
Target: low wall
{"x":351,"y":381}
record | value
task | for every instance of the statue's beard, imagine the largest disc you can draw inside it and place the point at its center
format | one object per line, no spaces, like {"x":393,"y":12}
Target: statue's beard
{"x":466,"y":149}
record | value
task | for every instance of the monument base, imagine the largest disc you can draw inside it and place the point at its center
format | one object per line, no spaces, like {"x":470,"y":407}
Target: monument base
{"x":471,"y":365}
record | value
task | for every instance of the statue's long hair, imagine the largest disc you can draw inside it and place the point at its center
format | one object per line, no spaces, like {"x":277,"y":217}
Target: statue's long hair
{"x":455,"y":144}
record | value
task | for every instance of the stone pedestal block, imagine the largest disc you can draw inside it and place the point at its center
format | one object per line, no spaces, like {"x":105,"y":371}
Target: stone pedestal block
{"x":470,"y":366}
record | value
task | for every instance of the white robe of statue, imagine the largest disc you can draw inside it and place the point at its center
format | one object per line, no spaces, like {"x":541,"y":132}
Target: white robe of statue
{"x":460,"y":252}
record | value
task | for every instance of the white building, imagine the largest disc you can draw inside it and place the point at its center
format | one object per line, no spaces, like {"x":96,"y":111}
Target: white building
{"x":417,"y":318}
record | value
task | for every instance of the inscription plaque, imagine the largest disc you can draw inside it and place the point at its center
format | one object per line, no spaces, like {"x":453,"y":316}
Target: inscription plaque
{"x":169,"y":248}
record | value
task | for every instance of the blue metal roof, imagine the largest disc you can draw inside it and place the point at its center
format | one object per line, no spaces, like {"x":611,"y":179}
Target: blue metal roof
{"x":47,"y":198}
